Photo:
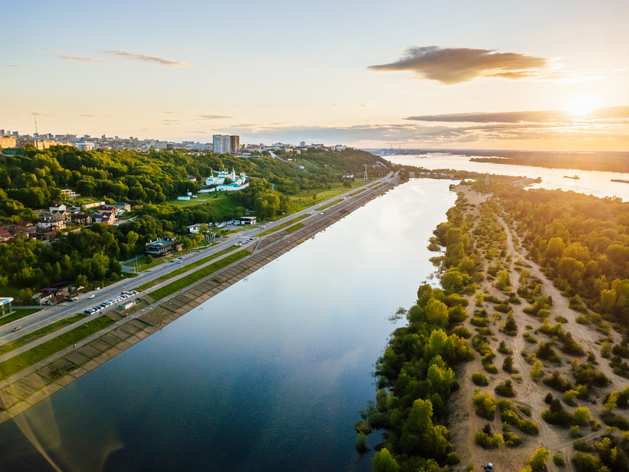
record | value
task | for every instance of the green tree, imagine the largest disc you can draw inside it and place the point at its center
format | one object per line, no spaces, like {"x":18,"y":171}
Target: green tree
{"x":437,"y":313}
{"x":383,"y":461}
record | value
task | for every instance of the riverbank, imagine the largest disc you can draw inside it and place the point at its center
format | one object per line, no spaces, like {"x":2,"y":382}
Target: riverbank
{"x":37,"y":382}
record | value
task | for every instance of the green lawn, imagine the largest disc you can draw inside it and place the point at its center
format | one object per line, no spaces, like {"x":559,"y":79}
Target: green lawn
{"x":184,"y":269}
{"x":282,"y":226}
{"x":142,"y":265}
{"x":294,"y":228}
{"x":304,"y":199}
{"x":19,"y":313}
{"x":30,"y":337}
{"x":328,"y":205}
{"x":85,"y":200}
{"x":198,"y":275}
{"x":41,"y":352}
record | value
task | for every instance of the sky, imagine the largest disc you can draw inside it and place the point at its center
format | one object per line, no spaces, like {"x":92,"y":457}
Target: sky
{"x":538,"y":75}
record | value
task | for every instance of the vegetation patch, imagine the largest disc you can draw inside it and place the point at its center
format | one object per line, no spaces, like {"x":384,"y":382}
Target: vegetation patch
{"x":198,"y":275}
{"x":282,"y":226}
{"x":41,"y":352}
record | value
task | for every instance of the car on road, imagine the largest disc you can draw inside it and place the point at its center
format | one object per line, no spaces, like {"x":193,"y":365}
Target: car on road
{"x":90,"y":311}
{"x":17,"y":328}
{"x":92,"y":296}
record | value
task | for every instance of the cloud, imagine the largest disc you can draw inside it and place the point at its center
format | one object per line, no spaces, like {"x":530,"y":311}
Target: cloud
{"x":455,"y":65}
{"x":145,"y":58}
{"x":81,"y":59}
{"x":542,"y":116}
{"x":215,"y":117}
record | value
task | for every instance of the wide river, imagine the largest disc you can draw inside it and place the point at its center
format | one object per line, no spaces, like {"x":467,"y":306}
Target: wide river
{"x":269,"y":375}
{"x":589,"y":182}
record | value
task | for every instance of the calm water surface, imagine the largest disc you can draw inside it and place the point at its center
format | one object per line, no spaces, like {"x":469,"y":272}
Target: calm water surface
{"x":590,"y":182}
{"x":267,"y":376}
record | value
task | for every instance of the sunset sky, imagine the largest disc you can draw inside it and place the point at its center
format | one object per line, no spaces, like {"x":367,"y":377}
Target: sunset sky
{"x":436,"y":74}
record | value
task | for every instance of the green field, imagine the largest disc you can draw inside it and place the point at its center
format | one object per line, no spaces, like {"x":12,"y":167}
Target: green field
{"x":328,"y":205}
{"x":30,"y":337}
{"x":19,"y":313}
{"x":41,"y":352}
{"x":184,"y":269}
{"x":219,"y":200}
{"x":282,"y":226}
{"x":294,"y":228}
{"x":196,"y":276}
{"x":304,"y":199}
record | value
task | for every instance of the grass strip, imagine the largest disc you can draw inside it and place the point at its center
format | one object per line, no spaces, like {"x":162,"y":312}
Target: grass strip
{"x":294,"y":228}
{"x":30,"y":337}
{"x":282,"y":226}
{"x":184,"y":269}
{"x":41,"y":352}
{"x":356,"y":193}
{"x":328,"y":205}
{"x":198,"y":275}
{"x":19,"y":313}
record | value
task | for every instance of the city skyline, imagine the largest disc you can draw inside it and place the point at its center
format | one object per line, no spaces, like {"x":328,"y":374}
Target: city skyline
{"x":414,"y":74}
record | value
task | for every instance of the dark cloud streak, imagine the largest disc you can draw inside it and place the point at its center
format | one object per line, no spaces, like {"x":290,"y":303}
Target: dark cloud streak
{"x":455,"y":65}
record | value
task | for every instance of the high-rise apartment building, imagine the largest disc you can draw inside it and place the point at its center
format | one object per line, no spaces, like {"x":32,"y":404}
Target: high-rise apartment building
{"x":223,"y":143}
{"x":234,"y":144}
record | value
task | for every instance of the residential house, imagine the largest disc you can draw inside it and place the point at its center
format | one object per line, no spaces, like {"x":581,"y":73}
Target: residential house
{"x":23,"y":228}
{"x":106,"y":218}
{"x":82,"y":218}
{"x":5,"y":236}
{"x":57,"y":207}
{"x":48,"y":223}
{"x":71,"y":194}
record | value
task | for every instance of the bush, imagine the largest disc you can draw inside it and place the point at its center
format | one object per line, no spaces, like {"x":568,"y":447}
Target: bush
{"x":362,"y":443}
{"x":557,"y":382}
{"x":503,"y":349}
{"x":537,"y":371}
{"x":484,"y":404}
{"x":529,"y":338}
{"x":557,"y":415}
{"x":507,"y":364}
{"x":575,"y":431}
{"x":492,"y":369}
{"x":505,"y":389}
{"x":559,"y":460}
{"x":453,"y":458}
{"x":480,"y":379}
{"x":584,"y":462}
{"x":462,"y":332}
{"x":582,"y":445}
{"x":487,"y":441}
{"x":511,"y":439}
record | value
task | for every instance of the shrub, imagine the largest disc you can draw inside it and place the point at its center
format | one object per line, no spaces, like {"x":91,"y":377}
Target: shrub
{"x":507,"y":364}
{"x":453,"y":458}
{"x":484,"y":404}
{"x":529,"y":338}
{"x":363,"y":427}
{"x":503,"y":349}
{"x":559,"y":460}
{"x":585,"y":462}
{"x":537,"y":371}
{"x":480,"y":379}
{"x":362,"y":443}
{"x":511,"y":439}
{"x":570,"y":346}
{"x":492,"y":369}
{"x":575,"y":431}
{"x":537,"y":461}
{"x":557,"y":382}
{"x":462,"y":332}
{"x":582,"y":445}
{"x":487,"y":441}
{"x":546,"y":351}
{"x":505,"y":389}
{"x":556,"y":414}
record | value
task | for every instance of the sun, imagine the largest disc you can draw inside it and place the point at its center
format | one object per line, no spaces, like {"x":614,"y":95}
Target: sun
{"x":584,"y":104}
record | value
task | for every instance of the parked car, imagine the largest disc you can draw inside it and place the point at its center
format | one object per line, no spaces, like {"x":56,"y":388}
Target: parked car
{"x":92,"y":296}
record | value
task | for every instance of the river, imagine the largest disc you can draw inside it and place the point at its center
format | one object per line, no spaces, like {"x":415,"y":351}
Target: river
{"x":589,"y":182}
{"x":269,"y":375}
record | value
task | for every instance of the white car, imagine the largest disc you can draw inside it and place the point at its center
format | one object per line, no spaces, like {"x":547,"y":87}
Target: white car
{"x":92,"y":296}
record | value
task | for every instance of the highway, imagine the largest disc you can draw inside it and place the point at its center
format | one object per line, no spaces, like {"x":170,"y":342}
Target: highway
{"x":51,"y":314}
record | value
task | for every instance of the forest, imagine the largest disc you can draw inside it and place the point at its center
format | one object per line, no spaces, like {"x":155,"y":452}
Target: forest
{"x":32,"y":180}
{"x":580,"y":240}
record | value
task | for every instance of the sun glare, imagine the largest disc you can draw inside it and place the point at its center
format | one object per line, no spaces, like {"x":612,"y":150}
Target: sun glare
{"x":583,"y":105}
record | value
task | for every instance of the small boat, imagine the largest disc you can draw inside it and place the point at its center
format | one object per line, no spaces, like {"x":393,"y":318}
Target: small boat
{"x":621,"y":181}
{"x":574,"y":177}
